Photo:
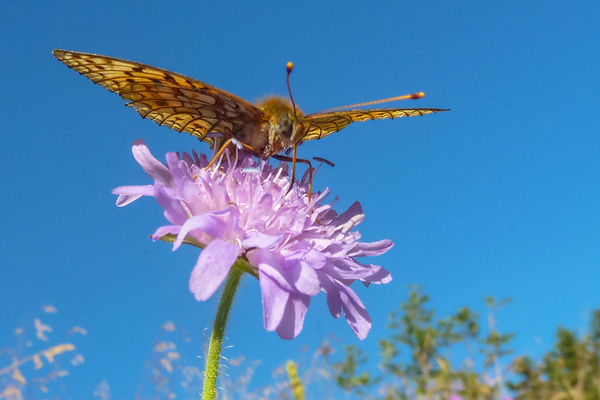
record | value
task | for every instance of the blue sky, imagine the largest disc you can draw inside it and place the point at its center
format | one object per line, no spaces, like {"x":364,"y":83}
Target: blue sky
{"x":498,"y":197}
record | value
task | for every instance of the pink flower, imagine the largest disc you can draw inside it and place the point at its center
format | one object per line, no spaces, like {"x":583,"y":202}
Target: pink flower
{"x":242,"y":208}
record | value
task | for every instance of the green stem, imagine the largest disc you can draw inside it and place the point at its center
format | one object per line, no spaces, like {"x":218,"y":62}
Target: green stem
{"x":216,"y":338}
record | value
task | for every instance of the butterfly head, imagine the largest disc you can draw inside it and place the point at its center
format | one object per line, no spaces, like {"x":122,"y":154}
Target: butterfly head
{"x":284,"y":126}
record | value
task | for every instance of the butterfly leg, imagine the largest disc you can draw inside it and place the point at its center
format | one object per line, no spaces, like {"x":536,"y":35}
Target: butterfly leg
{"x":218,"y":153}
{"x":224,"y":146}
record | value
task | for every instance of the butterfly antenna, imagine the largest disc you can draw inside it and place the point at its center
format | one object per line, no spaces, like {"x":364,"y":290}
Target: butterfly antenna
{"x":413,"y":96}
{"x":290,"y":67}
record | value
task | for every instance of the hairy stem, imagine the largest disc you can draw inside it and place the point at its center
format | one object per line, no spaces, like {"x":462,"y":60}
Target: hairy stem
{"x":216,"y":338}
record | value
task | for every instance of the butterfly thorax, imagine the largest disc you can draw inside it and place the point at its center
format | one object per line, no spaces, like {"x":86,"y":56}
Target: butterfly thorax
{"x":281,"y":128}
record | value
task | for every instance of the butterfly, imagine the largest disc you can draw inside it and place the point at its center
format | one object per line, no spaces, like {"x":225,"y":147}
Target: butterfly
{"x":187,"y":105}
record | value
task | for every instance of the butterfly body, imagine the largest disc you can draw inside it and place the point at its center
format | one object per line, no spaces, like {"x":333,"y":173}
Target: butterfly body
{"x":285,"y":128}
{"x":214,"y":115}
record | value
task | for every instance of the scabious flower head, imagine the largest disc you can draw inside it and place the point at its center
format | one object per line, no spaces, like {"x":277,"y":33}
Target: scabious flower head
{"x":243,"y":208}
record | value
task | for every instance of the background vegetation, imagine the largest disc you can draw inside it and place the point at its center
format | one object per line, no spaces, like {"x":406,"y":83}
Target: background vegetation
{"x":423,"y":356}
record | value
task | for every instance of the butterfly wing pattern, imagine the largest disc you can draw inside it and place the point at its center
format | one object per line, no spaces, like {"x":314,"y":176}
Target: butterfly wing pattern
{"x":323,"y":124}
{"x":177,"y":101}
{"x":188,"y":105}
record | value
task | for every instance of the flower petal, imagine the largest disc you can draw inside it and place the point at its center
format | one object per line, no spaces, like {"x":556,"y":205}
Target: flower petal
{"x":260,"y":240}
{"x":371,"y":249}
{"x":267,"y":264}
{"x":182,"y":179}
{"x":355,"y":312}
{"x":293,"y":317}
{"x":274,"y":299}
{"x":334,"y":302}
{"x":352,"y":211}
{"x":165,"y":230}
{"x":210,"y":223}
{"x":376,"y":274}
{"x":129,"y":194}
{"x":151,"y":165}
{"x":173,"y":210}
{"x":293,"y":275}
{"x":212,"y":267}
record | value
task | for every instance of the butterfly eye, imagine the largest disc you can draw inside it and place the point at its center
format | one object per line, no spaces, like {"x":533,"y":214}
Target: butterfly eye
{"x":285,"y":126}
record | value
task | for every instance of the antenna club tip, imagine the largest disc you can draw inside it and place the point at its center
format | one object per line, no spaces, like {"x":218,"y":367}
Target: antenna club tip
{"x":418,"y":95}
{"x":289,"y":66}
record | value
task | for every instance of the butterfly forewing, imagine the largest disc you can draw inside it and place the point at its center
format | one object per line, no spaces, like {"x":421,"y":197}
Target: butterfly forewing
{"x":177,"y":101}
{"x":323,"y":124}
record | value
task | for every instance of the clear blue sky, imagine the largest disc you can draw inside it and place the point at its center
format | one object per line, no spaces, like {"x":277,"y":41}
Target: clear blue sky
{"x":500,"y":196}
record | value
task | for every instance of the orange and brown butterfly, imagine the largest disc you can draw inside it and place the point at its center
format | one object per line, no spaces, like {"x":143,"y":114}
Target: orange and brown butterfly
{"x":188,"y":105}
